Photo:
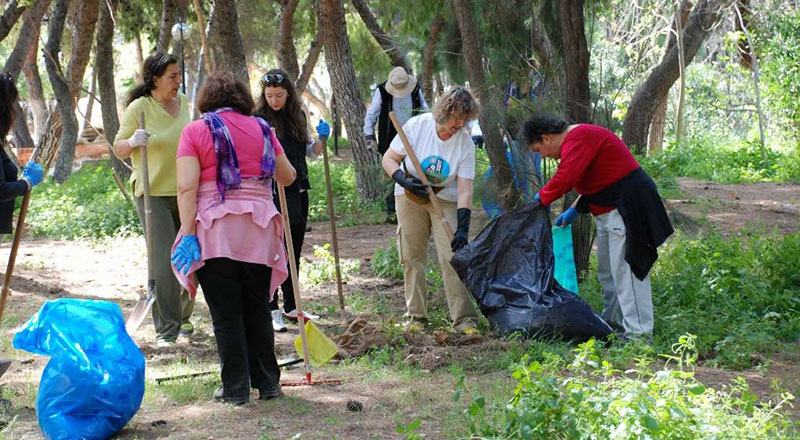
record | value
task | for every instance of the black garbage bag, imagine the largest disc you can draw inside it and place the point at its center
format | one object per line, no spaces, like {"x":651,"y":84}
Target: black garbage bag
{"x":509,"y":270}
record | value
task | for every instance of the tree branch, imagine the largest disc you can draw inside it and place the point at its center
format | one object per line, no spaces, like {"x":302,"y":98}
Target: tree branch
{"x":395,"y":52}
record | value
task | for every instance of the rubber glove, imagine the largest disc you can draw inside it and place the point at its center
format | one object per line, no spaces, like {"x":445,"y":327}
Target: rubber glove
{"x":410,"y":183}
{"x":461,"y":237}
{"x":139,"y":138}
{"x":323,"y":129}
{"x":186,"y":253}
{"x":33,"y":173}
{"x":566,"y":217}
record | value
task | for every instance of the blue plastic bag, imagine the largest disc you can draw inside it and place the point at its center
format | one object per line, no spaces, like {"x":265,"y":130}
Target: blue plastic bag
{"x":94,"y":382}
{"x":564,"y":270}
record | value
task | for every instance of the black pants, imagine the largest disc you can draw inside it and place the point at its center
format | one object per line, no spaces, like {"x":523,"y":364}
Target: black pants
{"x":237,"y":293}
{"x":297,"y":205}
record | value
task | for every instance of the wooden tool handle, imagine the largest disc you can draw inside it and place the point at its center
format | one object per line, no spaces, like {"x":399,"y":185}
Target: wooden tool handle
{"x":413,"y":156}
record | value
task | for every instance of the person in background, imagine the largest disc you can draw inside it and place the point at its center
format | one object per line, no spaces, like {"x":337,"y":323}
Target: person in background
{"x":166,"y":112}
{"x":279,"y":104}
{"x":447,"y":156}
{"x":231,"y":235}
{"x":631,"y":219}
{"x":401,"y":94}
{"x":10,"y":186}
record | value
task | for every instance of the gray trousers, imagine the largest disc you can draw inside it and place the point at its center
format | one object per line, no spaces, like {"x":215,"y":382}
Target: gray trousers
{"x":173,"y":305}
{"x":628,"y":300}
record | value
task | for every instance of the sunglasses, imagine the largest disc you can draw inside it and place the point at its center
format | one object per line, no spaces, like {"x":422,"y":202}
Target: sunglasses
{"x":6,"y":76}
{"x":273,"y":79}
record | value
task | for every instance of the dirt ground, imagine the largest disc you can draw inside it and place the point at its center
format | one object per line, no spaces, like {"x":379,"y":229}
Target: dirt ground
{"x":116,"y":270}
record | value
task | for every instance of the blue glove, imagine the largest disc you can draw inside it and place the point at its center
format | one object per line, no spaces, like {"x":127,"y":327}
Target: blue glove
{"x":566,"y":217}
{"x":536,"y":198}
{"x":33,"y":173}
{"x":323,"y":129}
{"x":186,"y":253}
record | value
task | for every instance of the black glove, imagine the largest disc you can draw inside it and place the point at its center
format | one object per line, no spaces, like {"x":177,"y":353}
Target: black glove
{"x":461,"y":237}
{"x":410,"y":183}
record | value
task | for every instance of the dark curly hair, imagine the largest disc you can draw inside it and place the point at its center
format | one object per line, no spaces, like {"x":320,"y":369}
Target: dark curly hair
{"x":223,"y":89}
{"x":154,"y":66}
{"x":8,"y":97}
{"x":290,"y":120}
{"x":537,"y":125}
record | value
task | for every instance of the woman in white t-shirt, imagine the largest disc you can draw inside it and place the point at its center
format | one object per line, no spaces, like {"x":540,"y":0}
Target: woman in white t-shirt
{"x":447,"y":155}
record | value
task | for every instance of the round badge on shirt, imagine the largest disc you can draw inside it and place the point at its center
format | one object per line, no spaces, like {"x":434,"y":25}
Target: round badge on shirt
{"x":436,"y":169}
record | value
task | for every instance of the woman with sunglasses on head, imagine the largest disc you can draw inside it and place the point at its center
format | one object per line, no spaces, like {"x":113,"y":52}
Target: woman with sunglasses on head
{"x":166,"y":112}
{"x":280,"y":105}
{"x":447,"y":155}
{"x":231,"y":233}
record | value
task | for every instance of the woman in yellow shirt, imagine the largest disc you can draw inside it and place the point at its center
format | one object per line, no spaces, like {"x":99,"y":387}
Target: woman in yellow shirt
{"x":166,"y":112}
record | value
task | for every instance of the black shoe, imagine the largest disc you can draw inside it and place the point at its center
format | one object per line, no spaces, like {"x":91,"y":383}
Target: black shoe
{"x":219,"y":395}
{"x":270,"y":392}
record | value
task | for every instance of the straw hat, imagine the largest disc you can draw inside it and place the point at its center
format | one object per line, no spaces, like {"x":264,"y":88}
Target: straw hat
{"x":400,"y":83}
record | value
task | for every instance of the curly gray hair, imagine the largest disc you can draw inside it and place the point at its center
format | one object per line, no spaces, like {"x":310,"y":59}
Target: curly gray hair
{"x":457,"y":102}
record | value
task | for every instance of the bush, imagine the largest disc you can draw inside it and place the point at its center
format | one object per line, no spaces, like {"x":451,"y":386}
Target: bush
{"x":737,"y":164}
{"x":386,"y":262}
{"x":739,"y":295}
{"x":88,"y":204}
{"x":345,"y":196}
{"x":323,"y":267}
{"x":595,"y":401}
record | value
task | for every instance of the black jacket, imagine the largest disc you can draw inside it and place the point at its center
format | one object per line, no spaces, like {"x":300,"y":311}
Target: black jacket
{"x":10,"y":189}
{"x":647,"y":225}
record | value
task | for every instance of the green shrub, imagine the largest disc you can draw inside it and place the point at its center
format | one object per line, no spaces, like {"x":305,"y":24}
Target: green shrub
{"x":386,"y":262}
{"x":594,"y":400}
{"x":88,"y":204}
{"x":740,"y":295}
{"x":345,"y":196}
{"x":323,"y":267}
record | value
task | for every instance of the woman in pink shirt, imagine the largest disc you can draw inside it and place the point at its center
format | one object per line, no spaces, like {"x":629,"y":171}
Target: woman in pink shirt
{"x":231,"y":237}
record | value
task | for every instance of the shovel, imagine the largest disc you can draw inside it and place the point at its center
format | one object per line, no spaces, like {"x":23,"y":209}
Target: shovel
{"x":12,"y":257}
{"x":304,"y":342}
{"x":146,"y":302}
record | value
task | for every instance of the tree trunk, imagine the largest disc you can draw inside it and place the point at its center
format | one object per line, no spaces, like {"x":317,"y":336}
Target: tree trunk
{"x":137,"y":42}
{"x":10,"y":16}
{"x":202,"y":67}
{"x":647,"y":97}
{"x":549,"y":65}
{"x":62,"y":93}
{"x":87,"y":117}
{"x":205,"y":55}
{"x":226,"y":35}
{"x":428,"y":58}
{"x":104,"y":62}
{"x":169,"y":14}
{"x":31,"y":22}
{"x":369,"y":174}
{"x":742,"y":23}
{"x":312,"y":57}
{"x":318,"y":103}
{"x":655,"y":139}
{"x":396,"y":52}
{"x":491,"y":113}
{"x":753,"y":62}
{"x":35,"y":92}
{"x":81,"y":45}
{"x":576,"y":56}
{"x":287,"y":54}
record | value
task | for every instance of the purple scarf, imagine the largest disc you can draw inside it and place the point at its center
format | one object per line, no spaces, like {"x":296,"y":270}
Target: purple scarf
{"x":228,"y":174}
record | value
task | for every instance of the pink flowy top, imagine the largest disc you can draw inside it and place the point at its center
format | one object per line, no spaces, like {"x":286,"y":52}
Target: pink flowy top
{"x":246,"y":227}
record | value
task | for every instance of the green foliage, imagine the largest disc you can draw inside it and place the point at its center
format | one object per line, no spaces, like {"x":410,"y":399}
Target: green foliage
{"x":345,"y":197}
{"x":89,"y":204}
{"x":323,"y":267}
{"x":386,"y":262}
{"x":595,"y":401}
{"x":779,"y":41}
{"x":743,"y":163}
{"x":740,"y":295}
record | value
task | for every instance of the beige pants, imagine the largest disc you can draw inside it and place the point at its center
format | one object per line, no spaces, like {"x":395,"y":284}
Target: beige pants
{"x":628,"y":300}
{"x":414,"y":225}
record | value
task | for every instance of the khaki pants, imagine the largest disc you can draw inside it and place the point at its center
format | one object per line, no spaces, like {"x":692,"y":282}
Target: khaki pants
{"x":173,"y":305}
{"x":628,"y":300}
{"x":414,"y":225}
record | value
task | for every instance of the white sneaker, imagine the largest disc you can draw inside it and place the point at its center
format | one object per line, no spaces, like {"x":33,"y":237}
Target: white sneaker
{"x":277,"y":321}
{"x":292,"y":316}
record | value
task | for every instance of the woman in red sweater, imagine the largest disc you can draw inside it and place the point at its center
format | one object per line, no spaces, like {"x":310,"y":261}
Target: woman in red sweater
{"x":631,"y":219}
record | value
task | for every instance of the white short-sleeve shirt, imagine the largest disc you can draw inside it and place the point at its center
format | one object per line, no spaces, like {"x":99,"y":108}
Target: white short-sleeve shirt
{"x":441,"y":160}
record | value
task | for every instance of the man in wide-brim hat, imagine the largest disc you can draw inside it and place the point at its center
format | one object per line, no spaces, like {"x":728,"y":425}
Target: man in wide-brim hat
{"x":401,"y":94}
